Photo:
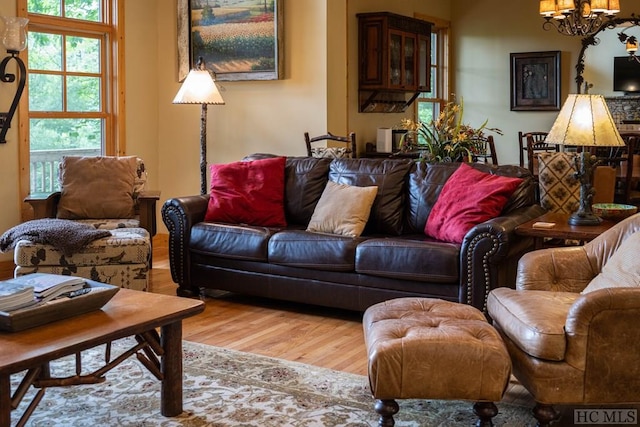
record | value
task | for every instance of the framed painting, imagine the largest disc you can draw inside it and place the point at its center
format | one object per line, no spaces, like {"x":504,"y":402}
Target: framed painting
{"x":535,"y":81}
{"x":238,"y":39}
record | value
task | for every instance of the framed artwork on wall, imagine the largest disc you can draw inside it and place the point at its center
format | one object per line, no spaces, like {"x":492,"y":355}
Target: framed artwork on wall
{"x":535,"y":81}
{"x":238,"y":39}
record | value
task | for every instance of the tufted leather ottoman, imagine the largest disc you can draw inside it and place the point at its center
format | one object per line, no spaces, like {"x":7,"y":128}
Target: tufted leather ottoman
{"x":425,"y":348}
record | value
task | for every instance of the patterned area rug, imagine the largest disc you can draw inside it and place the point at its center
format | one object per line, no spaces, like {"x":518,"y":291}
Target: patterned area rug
{"x":229,"y":388}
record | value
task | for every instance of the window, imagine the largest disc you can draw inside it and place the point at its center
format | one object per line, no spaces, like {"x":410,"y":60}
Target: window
{"x":429,"y":104}
{"x":72,"y":103}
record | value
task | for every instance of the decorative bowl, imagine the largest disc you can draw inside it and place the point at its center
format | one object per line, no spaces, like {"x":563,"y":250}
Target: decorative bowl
{"x":613,"y":211}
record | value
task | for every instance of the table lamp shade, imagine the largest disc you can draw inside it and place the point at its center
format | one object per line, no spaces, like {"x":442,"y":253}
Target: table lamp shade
{"x":585,"y":120}
{"x":199,"y":88}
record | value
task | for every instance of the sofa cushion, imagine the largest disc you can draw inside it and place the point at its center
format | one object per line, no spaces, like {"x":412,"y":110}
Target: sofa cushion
{"x":231,"y":241}
{"x":319,"y":251}
{"x":97,"y":187}
{"x":468,"y":198}
{"x":533,"y":320}
{"x":622,"y":269}
{"x":248,"y":192}
{"x":389,"y":176}
{"x":414,"y":257}
{"x":425,"y":182}
{"x":305,"y":178}
{"x":342,"y":209}
{"x":559,"y":188}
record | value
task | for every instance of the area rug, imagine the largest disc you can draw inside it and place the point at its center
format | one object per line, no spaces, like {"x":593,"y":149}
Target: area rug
{"x":229,"y":388}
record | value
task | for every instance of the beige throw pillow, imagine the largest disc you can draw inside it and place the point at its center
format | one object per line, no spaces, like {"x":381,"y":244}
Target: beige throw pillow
{"x":97,"y":187}
{"x":342,"y":209}
{"x":622,"y":270}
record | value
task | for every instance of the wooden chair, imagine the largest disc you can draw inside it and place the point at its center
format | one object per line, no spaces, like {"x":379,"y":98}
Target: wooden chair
{"x":488,"y":152}
{"x":629,"y":170}
{"x":346,"y":147}
{"x":536,"y":145}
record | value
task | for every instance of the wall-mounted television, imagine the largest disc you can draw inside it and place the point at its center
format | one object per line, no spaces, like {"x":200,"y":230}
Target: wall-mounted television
{"x":626,"y":74}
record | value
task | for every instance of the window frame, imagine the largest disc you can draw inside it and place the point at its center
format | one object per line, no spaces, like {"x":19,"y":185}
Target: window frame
{"x":111,"y":32}
{"x":443,"y":69}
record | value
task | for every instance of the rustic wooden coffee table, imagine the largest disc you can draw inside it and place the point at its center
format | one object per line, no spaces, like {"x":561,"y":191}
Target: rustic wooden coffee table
{"x":129,"y":313}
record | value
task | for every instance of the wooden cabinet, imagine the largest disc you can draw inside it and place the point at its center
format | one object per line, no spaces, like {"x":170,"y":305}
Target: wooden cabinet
{"x":394,"y":61}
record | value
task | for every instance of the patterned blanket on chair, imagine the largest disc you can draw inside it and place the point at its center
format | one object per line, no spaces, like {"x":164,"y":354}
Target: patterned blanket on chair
{"x":65,"y":235}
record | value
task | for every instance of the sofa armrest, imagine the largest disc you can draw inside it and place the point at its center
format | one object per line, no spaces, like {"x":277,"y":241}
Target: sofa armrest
{"x":179,"y":215}
{"x":602,"y":333}
{"x":45,"y":205}
{"x":487,"y":252}
{"x":564,"y":269}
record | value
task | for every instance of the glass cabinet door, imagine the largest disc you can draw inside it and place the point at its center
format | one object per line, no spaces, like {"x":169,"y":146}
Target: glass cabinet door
{"x":395,"y":59}
{"x":409,"y":79}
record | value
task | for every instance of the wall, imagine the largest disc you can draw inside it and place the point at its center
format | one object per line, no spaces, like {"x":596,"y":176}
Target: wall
{"x":259,"y":116}
{"x":318,"y":93}
{"x":9,"y":189}
{"x":366,"y":124}
{"x":481,"y":46}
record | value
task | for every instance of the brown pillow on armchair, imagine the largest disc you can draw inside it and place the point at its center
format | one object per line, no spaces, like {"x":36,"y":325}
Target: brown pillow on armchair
{"x":97,"y":187}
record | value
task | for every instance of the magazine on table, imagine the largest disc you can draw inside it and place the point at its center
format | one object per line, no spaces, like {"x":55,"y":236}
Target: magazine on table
{"x":14,"y":296}
{"x":47,"y":287}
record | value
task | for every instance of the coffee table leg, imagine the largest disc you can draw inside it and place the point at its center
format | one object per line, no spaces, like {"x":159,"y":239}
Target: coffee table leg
{"x":171,"y":365}
{"x":5,"y":400}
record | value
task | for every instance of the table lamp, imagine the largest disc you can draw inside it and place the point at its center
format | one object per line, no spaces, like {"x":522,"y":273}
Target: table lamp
{"x":585,"y":120}
{"x":200,"y":88}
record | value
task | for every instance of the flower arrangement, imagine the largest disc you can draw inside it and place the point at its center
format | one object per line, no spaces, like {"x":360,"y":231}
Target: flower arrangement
{"x":447,"y":138}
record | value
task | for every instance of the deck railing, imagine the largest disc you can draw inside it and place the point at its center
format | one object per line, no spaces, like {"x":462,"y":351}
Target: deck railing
{"x":44,"y":167}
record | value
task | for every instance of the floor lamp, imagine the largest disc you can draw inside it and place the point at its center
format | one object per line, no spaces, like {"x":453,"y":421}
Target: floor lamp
{"x":585,"y":121}
{"x":200,"y":88}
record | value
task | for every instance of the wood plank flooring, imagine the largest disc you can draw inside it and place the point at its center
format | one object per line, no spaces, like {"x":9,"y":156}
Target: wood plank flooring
{"x":314,"y":335}
{"x":297,"y":332}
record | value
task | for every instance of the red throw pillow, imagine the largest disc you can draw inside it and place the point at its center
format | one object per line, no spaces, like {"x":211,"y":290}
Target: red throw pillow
{"x":468,"y":198}
{"x":249,"y":192}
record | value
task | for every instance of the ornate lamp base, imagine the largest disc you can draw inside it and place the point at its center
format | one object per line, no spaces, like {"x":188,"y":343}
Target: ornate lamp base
{"x":584,"y":219}
{"x":585,"y":164}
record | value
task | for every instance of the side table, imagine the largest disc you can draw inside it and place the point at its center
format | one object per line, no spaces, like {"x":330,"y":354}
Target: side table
{"x":561,"y":230}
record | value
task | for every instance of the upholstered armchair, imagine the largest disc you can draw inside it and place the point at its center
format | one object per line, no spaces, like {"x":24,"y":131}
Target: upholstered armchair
{"x":571,"y":324}
{"x":106,"y":193}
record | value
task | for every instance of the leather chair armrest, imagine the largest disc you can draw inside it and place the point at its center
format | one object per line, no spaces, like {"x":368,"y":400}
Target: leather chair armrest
{"x":602,"y":329}
{"x":45,"y":205}
{"x":565,"y":269}
{"x":179,"y":215}
{"x":147,"y":210}
{"x":485,"y":250}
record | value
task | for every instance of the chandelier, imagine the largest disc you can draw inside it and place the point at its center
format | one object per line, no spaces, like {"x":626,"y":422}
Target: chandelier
{"x":578,"y":17}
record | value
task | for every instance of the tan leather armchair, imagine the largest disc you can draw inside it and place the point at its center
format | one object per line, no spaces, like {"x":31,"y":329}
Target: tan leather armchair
{"x":570,"y":344}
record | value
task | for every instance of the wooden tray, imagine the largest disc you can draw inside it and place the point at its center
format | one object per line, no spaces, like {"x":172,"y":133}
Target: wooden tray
{"x":30,"y":317}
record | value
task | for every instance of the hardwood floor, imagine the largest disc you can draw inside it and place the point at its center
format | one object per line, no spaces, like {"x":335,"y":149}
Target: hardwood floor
{"x":302,"y":333}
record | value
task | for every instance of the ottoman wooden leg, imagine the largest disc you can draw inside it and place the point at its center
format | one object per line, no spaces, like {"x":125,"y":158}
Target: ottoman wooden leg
{"x":545,"y":414}
{"x":485,"y":412}
{"x":386,"y":409}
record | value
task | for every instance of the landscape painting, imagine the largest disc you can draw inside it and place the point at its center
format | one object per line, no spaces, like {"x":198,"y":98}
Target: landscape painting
{"x":238,"y":39}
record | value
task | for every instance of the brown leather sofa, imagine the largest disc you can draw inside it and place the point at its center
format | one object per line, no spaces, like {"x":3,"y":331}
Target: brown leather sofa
{"x":393,"y":257}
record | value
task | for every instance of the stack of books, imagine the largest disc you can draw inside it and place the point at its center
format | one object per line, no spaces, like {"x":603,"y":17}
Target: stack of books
{"x":39,"y":288}
{"x":14,"y":296}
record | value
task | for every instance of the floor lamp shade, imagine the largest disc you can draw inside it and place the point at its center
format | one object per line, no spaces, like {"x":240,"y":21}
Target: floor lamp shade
{"x":585,"y":121}
{"x":200,"y":88}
